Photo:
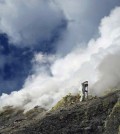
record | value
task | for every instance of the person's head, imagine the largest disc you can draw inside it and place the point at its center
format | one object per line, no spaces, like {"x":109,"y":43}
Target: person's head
{"x":85,"y":82}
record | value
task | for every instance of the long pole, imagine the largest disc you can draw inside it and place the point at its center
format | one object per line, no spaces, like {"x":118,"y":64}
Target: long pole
{"x":87,"y":92}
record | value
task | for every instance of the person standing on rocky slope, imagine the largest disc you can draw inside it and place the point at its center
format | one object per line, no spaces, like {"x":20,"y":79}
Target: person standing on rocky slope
{"x":84,"y":91}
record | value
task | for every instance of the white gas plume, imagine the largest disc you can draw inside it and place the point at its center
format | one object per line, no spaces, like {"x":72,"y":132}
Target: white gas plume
{"x":83,"y":17}
{"x":98,"y":63}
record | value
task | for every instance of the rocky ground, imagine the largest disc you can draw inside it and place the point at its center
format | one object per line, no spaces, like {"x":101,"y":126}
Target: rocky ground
{"x":93,"y":116}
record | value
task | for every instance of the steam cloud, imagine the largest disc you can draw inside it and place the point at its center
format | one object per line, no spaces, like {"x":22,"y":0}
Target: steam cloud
{"x":26,"y":26}
{"x":56,"y":76}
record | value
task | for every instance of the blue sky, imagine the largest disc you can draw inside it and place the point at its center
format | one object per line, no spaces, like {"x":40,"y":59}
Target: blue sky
{"x":42,"y":26}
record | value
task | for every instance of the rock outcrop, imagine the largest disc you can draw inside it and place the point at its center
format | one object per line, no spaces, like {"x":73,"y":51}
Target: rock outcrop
{"x":98,"y":115}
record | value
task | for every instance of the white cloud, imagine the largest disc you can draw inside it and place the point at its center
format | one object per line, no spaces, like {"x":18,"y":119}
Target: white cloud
{"x":84,"y":17}
{"x":28,"y":22}
{"x":68,"y":72}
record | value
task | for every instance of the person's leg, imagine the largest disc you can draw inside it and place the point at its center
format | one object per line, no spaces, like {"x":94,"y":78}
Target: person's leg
{"x":82,"y":98}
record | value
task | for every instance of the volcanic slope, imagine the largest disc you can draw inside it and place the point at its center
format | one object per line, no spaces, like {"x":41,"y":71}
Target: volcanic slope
{"x":97,"y":115}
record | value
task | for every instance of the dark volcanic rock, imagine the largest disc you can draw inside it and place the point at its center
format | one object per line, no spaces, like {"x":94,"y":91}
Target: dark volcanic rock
{"x":94,"y":116}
